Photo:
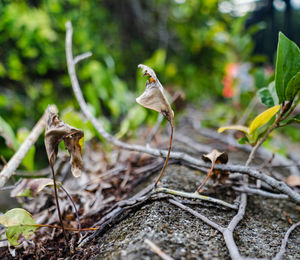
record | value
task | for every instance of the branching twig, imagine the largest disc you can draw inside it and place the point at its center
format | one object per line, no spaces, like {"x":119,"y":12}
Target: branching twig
{"x":198,"y":215}
{"x":15,"y":161}
{"x":194,"y":196}
{"x":284,"y":241}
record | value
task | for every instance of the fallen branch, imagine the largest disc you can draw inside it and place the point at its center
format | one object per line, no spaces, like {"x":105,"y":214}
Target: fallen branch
{"x":281,"y":252}
{"x":15,"y":161}
{"x":194,"y":195}
{"x":261,"y":193}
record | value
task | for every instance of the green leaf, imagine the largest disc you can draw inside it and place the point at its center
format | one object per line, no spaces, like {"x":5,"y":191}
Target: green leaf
{"x":268,"y":95}
{"x":8,"y":134}
{"x":293,"y":87}
{"x":263,"y":118}
{"x":265,"y":97}
{"x":295,"y":119}
{"x":28,"y":160}
{"x":287,"y":65}
{"x":19,"y":223}
{"x":234,"y":127}
{"x":243,"y":140}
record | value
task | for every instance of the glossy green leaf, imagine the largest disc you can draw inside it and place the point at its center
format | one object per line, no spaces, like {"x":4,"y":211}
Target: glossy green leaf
{"x":265,"y":97}
{"x":263,"y":118}
{"x":19,"y":223}
{"x":293,"y":87}
{"x":287,"y":65}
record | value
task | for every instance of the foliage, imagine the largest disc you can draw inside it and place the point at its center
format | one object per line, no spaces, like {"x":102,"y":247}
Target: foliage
{"x":186,"y":49}
{"x":19,"y":224}
{"x":287,"y":88}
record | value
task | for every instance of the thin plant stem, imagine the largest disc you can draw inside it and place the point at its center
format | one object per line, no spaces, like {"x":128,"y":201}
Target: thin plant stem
{"x":74,"y":206}
{"x":199,"y":190}
{"x":167,"y":158}
{"x":57,"y":203}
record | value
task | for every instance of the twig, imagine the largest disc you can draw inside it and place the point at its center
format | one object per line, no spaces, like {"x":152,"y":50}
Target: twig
{"x":194,"y":196}
{"x":261,"y":193}
{"x":154,"y":248}
{"x":282,"y":187}
{"x":228,"y":232}
{"x":281,"y":252}
{"x":82,"y":57}
{"x":15,"y":161}
{"x":198,"y":215}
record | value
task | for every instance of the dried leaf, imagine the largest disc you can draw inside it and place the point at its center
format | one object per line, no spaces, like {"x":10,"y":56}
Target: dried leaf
{"x":19,"y":223}
{"x":293,"y":180}
{"x":153,"y":96}
{"x":30,"y":187}
{"x":56,"y":131}
{"x":215,"y":156}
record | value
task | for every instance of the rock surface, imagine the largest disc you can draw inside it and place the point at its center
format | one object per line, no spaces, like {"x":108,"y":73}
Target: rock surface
{"x":183,"y":236}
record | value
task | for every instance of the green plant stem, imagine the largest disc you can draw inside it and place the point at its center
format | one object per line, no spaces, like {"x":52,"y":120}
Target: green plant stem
{"x":57,"y":204}
{"x":167,"y":158}
{"x":194,"y":195}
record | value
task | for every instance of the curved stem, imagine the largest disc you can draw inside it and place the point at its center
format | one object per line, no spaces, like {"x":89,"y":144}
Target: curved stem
{"x":74,"y":206}
{"x":167,"y":158}
{"x":199,"y":190}
{"x":57,"y":203}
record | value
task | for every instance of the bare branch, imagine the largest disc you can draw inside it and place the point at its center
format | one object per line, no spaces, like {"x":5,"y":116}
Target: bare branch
{"x":15,"y":161}
{"x":82,"y":56}
{"x":261,"y":192}
{"x":194,"y":196}
{"x":198,"y":215}
{"x":281,"y":252}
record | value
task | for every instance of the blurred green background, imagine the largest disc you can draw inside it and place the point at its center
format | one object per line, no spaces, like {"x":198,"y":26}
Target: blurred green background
{"x":219,"y":53}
